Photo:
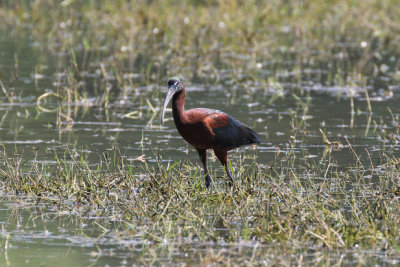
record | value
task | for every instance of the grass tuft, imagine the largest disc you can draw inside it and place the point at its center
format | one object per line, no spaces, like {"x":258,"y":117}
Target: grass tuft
{"x":273,"y":205}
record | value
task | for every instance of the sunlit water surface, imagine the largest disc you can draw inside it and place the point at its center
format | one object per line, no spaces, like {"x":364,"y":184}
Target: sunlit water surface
{"x":35,"y":235}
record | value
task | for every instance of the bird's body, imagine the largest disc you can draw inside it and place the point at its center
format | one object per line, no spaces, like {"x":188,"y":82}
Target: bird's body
{"x":213,"y":129}
{"x":207,"y":128}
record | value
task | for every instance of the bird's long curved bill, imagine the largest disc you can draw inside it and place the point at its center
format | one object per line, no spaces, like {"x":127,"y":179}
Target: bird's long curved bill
{"x":167,"y":99}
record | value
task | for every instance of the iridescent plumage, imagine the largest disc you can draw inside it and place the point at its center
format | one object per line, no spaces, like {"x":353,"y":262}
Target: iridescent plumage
{"x":207,"y":128}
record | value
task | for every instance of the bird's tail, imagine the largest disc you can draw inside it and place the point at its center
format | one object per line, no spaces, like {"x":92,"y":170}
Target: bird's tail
{"x":253,"y":136}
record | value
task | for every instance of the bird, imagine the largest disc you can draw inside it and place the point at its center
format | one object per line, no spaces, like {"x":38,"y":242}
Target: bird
{"x":205,"y":128}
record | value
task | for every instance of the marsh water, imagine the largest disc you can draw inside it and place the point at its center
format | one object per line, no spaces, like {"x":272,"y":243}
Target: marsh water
{"x":289,"y":112}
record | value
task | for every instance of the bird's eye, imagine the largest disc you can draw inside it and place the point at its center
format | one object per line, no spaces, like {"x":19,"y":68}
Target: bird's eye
{"x":171,"y":82}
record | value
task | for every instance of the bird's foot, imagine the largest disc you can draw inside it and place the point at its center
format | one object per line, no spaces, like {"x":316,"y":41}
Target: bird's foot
{"x":208,"y":181}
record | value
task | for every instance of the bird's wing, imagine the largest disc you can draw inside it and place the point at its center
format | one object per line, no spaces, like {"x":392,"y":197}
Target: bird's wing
{"x":229,"y":132}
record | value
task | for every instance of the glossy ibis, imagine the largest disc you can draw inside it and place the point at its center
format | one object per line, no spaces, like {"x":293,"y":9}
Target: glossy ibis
{"x":207,"y":128}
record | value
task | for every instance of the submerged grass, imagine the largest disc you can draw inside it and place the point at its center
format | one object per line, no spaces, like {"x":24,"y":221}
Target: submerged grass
{"x":274,"y":204}
{"x":113,"y":51}
{"x":130,"y":42}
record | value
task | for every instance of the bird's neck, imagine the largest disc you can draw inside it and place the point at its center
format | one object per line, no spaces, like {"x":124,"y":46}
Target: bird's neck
{"x":178,"y":107}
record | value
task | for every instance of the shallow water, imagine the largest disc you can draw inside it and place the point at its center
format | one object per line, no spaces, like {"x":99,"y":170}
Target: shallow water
{"x":44,"y":235}
{"x":34,"y":235}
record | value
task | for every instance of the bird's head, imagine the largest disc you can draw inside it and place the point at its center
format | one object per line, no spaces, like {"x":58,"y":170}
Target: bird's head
{"x":175,"y":85}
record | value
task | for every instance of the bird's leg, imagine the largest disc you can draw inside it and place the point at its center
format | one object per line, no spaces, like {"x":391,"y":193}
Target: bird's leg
{"x":222,"y":155}
{"x":203,"y":157}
